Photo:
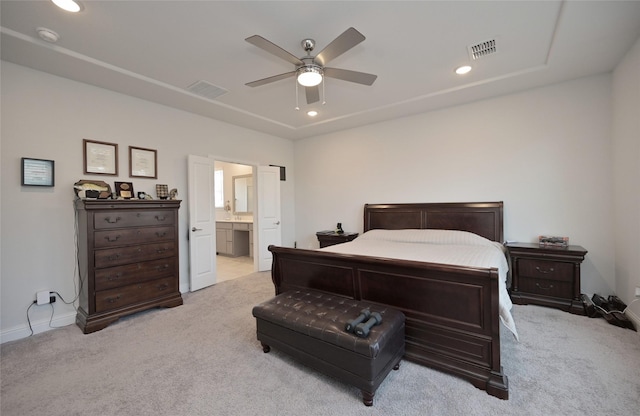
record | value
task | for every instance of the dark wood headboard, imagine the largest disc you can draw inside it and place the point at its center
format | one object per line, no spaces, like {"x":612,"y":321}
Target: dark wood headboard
{"x":482,"y":218}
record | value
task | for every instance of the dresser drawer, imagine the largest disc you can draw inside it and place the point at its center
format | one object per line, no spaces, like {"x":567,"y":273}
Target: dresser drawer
{"x":133,"y":254}
{"x":128,"y":295}
{"x":129,"y":236}
{"x":545,"y":269}
{"x":133,"y":273}
{"x":119,"y":219}
{"x":547,"y":287}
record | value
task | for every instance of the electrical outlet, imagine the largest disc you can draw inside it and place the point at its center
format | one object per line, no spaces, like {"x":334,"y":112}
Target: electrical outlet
{"x":638,"y":291}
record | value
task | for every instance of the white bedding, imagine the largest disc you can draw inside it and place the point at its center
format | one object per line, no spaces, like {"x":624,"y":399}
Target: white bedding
{"x":437,"y":246}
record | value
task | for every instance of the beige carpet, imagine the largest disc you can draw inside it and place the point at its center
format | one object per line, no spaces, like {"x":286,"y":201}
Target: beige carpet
{"x":202,"y":358}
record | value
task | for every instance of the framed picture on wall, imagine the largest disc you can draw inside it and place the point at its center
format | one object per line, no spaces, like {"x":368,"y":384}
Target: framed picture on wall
{"x":38,"y":172}
{"x":143,"y":163}
{"x":100,"y":157}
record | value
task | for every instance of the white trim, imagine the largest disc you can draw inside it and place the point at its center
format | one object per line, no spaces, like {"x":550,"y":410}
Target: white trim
{"x":38,"y":327}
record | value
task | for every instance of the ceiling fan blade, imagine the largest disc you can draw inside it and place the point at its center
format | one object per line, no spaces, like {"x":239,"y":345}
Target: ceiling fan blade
{"x":351,"y":76}
{"x":270,"y":79}
{"x":347,"y":40}
{"x":272,"y":48}
{"x":313,"y":94}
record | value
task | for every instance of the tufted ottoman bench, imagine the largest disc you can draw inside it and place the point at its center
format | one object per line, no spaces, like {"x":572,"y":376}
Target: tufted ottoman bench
{"x":310,"y":326}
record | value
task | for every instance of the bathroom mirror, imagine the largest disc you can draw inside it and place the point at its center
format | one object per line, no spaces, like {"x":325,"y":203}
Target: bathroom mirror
{"x":243,"y":194}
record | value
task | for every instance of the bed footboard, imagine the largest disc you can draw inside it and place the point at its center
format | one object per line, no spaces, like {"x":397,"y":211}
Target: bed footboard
{"x":451,"y":312}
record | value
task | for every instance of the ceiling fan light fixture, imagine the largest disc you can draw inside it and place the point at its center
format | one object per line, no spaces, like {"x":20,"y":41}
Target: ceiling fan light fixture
{"x":312,"y":113}
{"x":68,"y":5}
{"x":309,"y":76}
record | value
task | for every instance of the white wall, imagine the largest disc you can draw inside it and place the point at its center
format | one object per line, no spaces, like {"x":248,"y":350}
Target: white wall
{"x":626,"y":163}
{"x":545,"y":152}
{"x":47,"y":117}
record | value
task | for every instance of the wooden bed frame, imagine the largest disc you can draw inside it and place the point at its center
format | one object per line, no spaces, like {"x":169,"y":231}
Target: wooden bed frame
{"x":452,"y":321}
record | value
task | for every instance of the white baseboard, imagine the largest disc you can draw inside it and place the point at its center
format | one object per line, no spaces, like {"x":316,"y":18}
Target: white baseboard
{"x":38,"y":327}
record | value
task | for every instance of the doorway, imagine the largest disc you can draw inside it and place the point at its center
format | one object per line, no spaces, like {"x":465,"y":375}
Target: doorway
{"x":235,"y":207}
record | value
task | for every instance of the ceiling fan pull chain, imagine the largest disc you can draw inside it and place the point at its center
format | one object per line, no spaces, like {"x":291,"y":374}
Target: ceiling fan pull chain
{"x":323,"y":94}
{"x":297,"y":106}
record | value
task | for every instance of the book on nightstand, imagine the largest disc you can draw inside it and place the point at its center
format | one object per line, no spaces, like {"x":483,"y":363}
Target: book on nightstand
{"x":552,"y":241}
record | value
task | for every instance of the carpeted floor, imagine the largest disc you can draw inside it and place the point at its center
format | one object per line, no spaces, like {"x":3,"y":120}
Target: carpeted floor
{"x":202,"y":358}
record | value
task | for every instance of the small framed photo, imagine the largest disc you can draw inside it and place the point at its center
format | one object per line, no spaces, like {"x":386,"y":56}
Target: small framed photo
{"x":100,"y":157}
{"x":38,"y":172}
{"x":124,"y":190}
{"x":143,"y":163}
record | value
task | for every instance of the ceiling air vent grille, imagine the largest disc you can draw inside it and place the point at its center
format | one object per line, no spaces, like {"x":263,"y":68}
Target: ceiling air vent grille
{"x":206,"y":90}
{"x":482,"y":49}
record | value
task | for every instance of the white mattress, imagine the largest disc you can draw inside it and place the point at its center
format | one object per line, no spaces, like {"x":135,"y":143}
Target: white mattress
{"x":437,"y":246}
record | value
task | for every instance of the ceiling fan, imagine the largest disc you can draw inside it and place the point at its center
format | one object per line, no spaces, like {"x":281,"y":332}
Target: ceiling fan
{"x":310,"y":70}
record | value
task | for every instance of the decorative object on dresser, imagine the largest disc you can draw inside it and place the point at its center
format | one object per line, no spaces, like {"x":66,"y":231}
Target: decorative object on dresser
{"x":329,"y":238}
{"x":128,"y":257}
{"x":125,"y":190}
{"x":550,"y":241}
{"x":546,"y":275}
{"x":83,"y":186}
{"x":162,"y":191}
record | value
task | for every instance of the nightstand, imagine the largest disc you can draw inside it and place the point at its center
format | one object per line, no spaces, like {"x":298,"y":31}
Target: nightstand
{"x":547,"y":276}
{"x":330,"y":238}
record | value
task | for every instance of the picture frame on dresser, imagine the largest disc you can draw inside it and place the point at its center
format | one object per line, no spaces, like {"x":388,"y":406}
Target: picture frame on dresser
{"x":100,"y":158}
{"x":125,"y":190}
{"x":143,"y":163}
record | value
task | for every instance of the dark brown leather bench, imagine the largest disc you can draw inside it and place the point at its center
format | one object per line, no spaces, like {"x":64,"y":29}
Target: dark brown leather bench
{"x":310,"y":326}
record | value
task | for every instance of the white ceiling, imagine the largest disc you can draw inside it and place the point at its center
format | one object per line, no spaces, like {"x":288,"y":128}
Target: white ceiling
{"x":154,"y":50}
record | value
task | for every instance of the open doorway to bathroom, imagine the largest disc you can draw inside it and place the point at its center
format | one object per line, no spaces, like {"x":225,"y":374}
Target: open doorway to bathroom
{"x":235,"y":206}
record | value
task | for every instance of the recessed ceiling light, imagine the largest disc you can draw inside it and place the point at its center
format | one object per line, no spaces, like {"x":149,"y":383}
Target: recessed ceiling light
{"x":463,"y":69}
{"x":312,"y":113}
{"x":68,"y":5}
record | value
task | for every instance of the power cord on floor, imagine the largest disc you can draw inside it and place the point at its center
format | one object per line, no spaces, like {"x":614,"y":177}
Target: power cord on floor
{"x":614,"y":310}
{"x":29,"y":320}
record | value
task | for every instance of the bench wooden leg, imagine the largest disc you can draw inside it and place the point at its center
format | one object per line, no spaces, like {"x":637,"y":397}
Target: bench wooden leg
{"x":265,"y":347}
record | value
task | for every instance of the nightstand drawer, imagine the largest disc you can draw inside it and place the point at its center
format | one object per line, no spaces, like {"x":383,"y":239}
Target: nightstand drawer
{"x":546,"y":287}
{"x":548,"y":270}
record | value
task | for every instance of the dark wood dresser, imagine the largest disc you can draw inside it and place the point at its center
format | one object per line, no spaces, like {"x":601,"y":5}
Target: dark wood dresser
{"x":547,"y":276}
{"x":330,"y":238}
{"x":128,"y":258}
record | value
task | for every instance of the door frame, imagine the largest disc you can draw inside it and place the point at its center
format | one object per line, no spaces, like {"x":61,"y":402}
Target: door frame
{"x":254,"y":171}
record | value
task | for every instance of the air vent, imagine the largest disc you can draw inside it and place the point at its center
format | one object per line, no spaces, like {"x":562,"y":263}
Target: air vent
{"x":482,"y":49}
{"x":206,"y":90}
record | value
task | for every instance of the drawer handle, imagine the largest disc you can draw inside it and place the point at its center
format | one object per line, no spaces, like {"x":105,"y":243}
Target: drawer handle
{"x":108,"y":219}
{"x":162,"y":287}
{"x":114,"y":276}
{"x":161,"y":250}
{"x":113,"y":300}
{"x":111,"y":239}
{"x":161,"y":234}
{"x":161,"y":267}
{"x":545,"y":271}
{"x":159,"y":218}
{"x":544,"y":288}
{"x":114,"y":257}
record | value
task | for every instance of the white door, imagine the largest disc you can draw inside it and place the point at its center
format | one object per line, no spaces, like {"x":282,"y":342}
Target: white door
{"x":269,"y":221}
{"x":202,"y":223}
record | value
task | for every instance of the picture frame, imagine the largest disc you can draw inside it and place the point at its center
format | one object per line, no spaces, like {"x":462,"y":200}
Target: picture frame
{"x":143,"y":163}
{"x":125,"y":190}
{"x":37,"y":172}
{"x":100,"y":158}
